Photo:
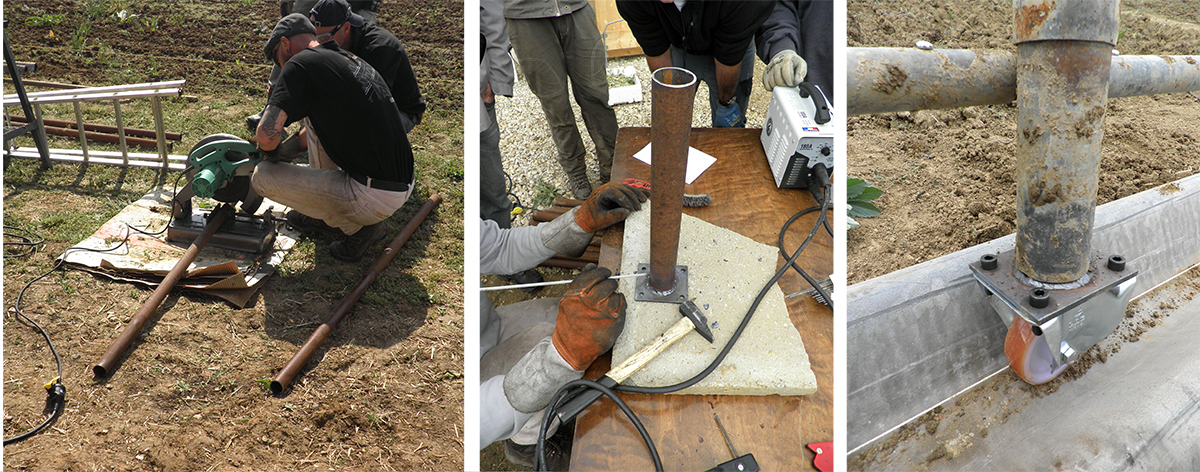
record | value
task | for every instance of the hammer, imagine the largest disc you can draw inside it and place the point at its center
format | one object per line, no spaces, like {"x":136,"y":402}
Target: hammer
{"x":693,"y":319}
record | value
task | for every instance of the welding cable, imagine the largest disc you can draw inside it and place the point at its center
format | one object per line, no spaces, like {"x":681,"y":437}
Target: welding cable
{"x":55,"y":390}
{"x":823,"y":176}
{"x":26,"y":242}
{"x":552,"y":409}
{"x":174,"y":191}
{"x":539,"y":457}
{"x":749,"y":313}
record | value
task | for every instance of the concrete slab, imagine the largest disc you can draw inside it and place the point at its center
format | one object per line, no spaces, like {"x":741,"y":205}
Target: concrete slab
{"x":725,"y":273}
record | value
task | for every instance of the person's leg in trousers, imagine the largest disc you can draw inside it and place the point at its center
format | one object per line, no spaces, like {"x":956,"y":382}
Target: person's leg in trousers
{"x":493,"y":193}
{"x":539,"y":51}
{"x":586,"y":60}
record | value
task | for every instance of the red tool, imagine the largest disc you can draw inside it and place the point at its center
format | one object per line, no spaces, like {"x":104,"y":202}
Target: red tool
{"x":824,"y":460}
{"x":638,"y":183}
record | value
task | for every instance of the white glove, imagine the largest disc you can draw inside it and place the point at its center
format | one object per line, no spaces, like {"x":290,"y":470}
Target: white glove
{"x":787,"y":69}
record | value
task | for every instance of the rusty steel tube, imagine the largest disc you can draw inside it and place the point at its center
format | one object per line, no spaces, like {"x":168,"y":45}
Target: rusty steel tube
{"x":672,"y":96}
{"x":1064,"y":52}
{"x":285,"y":377}
{"x":107,"y":363}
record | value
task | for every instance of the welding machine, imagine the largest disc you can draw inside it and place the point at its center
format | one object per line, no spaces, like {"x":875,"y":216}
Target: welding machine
{"x":797,"y":134}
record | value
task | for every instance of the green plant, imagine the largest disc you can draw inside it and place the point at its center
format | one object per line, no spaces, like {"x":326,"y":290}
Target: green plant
{"x":182,"y":386}
{"x":95,"y":9}
{"x":80,"y":36}
{"x":546,"y":193}
{"x":44,"y":20}
{"x":264,"y":383}
{"x":859,"y":194}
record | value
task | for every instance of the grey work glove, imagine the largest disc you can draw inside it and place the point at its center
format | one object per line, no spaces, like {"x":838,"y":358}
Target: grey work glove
{"x":531,"y":383}
{"x":564,"y":236}
{"x":785,"y":69}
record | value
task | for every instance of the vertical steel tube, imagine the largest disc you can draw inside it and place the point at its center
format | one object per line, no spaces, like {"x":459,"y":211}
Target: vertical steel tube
{"x":104,"y":368}
{"x":289,"y":372}
{"x":1064,"y":52}
{"x":672,"y":96}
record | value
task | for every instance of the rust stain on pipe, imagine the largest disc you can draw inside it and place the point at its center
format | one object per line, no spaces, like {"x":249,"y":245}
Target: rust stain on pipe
{"x":672,"y":95}
{"x":105,"y":367}
{"x":1028,"y":19}
{"x":285,"y":377}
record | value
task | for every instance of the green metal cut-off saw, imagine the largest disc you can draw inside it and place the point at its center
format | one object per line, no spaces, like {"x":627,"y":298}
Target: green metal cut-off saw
{"x":219,"y":168}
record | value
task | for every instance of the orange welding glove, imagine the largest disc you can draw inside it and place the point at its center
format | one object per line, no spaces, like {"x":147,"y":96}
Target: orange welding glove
{"x":609,"y":204}
{"x":590,"y":317}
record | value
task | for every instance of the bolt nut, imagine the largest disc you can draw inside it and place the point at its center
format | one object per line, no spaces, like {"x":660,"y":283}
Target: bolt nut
{"x":1039,"y":298}
{"x":1116,"y":263}
{"x":988,"y":262}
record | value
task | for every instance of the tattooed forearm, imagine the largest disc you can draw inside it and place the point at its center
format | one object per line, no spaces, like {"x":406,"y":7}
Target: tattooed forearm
{"x":270,"y":129}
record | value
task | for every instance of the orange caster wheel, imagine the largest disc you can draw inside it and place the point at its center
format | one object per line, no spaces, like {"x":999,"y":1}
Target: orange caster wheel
{"x":1028,"y":354}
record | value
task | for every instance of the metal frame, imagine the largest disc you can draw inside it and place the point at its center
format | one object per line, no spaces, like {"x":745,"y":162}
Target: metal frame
{"x":152,"y":90}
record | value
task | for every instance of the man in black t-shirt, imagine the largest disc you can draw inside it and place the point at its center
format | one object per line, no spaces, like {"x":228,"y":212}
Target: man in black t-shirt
{"x":361,"y":165}
{"x":334,"y":19}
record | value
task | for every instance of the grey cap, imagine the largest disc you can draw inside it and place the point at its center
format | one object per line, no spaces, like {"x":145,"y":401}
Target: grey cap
{"x":288,"y":26}
{"x":334,"y":13}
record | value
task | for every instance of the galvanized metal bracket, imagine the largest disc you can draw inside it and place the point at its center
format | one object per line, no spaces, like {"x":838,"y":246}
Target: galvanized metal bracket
{"x":1070,"y":317}
{"x":647,"y":293}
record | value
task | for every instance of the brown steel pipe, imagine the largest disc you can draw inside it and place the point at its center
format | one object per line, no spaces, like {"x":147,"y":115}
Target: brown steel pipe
{"x":285,"y":377}
{"x":107,"y":363}
{"x":672,"y":95}
{"x":145,"y":133}
{"x":104,"y":138}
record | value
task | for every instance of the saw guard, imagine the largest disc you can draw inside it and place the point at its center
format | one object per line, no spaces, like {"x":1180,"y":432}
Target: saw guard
{"x":1028,"y":354}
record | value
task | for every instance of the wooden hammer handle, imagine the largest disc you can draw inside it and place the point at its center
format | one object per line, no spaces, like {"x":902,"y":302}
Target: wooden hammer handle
{"x":630,"y":365}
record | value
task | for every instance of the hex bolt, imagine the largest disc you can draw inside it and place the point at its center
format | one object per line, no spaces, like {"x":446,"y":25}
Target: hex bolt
{"x":1039,"y":298}
{"x":1116,"y":263}
{"x":988,"y":262}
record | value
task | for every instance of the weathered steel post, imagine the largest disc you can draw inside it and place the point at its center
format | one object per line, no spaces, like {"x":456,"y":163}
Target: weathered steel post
{"x":672,"y":96}
{"x":1064,"y":52}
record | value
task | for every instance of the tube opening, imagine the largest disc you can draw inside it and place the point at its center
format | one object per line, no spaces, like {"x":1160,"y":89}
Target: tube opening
{"x":674,"y":77}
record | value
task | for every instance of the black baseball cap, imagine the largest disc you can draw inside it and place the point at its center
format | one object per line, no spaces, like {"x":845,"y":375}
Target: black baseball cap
{"x":328,"y":13}
{"x":287,"y":27}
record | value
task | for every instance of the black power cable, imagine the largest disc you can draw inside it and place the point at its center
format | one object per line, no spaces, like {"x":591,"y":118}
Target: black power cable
{"x":573,"y":388}
{"x":56,"y":392}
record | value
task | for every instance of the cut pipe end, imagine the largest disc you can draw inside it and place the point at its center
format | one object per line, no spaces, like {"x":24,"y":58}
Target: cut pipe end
{"x":276,"y":387}
{"x":100,"y":372}
{"x":674,"y":77}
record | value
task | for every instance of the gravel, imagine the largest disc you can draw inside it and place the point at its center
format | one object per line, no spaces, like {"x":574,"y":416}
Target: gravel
{"x":529,"y":153}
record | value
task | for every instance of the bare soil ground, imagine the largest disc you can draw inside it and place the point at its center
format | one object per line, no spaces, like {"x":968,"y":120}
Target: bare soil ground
{"x":949,"y":184}
{"x":948,"y":175}
{"x":385,"y":392}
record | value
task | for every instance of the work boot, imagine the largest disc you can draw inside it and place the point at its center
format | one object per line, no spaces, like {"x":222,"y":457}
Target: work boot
{"x":356,"y":245}
{"x":530,"y":276}
{"x":307,"y":224}
{"x":580,"y":186}
{"x":524,"y":454}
